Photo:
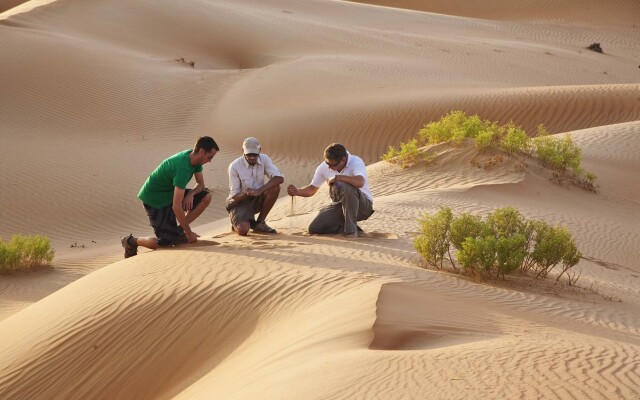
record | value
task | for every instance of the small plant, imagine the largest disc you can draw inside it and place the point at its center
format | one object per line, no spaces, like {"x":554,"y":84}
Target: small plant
{"x":478,"y":255}
{"x":558,"y":153}
{"x":182,"y":60}
{"x":561,"y":155}
{"x":25,"y":252}
{"x":553,"y":245}
{"x":407,"y":155}
{"x":434,"y":241}
{"x":515,"y":140}
{"x":501,"y":244}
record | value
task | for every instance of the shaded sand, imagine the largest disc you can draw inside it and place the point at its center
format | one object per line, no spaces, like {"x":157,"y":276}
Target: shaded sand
{"x":94,"y":95}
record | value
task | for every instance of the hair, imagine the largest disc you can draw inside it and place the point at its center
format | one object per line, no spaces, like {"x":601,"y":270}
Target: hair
{"x":207,"y":143}
{"x":335,"y":152}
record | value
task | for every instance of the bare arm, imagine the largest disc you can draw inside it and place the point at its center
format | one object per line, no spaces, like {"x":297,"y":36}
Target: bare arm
{"x":356,"y":181}
{"x":273,"y":182}
{"x":178,"y":197}
{"x":187,"y":202}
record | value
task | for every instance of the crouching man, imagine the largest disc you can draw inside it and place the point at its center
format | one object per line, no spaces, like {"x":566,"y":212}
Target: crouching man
{"x":170,"y":206}
{"x":349,"y":190}
{"x":249,"y":194}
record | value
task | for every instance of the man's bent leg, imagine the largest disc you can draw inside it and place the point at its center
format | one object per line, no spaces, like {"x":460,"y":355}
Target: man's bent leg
{"x":329,"y":220}
{"x":200,"y":203}
{"x":164,"y":224}
{"x":349,"y":196}
{"x":269,"y":199}
{"x":241,"y":216}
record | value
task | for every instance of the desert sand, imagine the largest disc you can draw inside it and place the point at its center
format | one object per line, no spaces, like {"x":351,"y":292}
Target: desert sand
{"x":94,"y":94}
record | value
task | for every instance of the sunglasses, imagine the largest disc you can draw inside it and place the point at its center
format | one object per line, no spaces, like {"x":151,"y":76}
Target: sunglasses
{"x":252,"y":155}
{"x":333,"y":164}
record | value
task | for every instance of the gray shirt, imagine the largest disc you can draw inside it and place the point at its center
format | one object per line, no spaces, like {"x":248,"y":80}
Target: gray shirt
{"x":243,"y":175}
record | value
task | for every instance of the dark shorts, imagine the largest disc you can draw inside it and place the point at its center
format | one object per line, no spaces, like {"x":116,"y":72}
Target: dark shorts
{"x":245,"y":210}
{"x":164,"y":224}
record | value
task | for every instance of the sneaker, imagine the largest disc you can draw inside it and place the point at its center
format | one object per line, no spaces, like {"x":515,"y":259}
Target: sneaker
{"x":130,"y":246}
{"x":262,"y":226}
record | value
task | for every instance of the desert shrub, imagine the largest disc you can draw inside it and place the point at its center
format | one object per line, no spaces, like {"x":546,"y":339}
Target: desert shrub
{"x":530,"y":231}
{"x":456,"y":126}
{"x":506,"y":222}
{"x":464,"y":226}
{"x":407,"y":155}
{"x":478,"y":254}
{"x":433,"y":242}
{"x":559,"y":153}
{"x":502,"y":243}
{"x":451,"y":126}
{"x":515,"y":139}
{"x":552,"y":245}
{"x":510,"y":253}
{"x":489,"y":136}
{"x":25,"y":252}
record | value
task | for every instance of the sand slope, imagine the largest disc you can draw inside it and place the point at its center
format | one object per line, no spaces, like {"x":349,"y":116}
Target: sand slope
{"x":94,"y":95}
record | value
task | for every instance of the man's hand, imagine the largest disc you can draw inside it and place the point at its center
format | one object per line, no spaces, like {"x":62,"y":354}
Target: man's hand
{"x":187,"y":202}
{"x":292,"y":190}
{"x":332,"y":180}
{"x":252,"y":192}
{"x":191,"y":237}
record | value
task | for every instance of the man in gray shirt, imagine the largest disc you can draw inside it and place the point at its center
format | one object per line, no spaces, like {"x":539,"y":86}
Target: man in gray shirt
{"x":249,"y":194}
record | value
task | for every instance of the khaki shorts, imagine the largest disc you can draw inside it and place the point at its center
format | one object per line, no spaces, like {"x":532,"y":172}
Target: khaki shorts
{"x":245,"y":210}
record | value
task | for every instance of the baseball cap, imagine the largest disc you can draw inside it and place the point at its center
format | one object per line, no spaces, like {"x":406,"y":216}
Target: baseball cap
{"x":251,"y":145}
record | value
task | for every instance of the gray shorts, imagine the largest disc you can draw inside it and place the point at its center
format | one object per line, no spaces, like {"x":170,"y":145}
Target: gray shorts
{"x":164,"y":224}
{"x":245,"y":210}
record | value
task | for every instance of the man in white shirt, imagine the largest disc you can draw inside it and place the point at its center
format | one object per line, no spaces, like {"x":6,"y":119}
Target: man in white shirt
{"x":348,"y":187}
{"x":249,"y":194}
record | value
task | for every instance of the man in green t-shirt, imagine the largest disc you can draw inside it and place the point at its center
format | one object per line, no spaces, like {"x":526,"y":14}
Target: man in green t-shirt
{"x":168,"y":202}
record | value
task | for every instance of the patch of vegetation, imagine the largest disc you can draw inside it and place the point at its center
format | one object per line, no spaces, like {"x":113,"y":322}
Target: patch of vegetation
{"x":561,"y":155}
{"x":504,"y":242}
{"x":182,"y":60}
{"x":25,"y":252}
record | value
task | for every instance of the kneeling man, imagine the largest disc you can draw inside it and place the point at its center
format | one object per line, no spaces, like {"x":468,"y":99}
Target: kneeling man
{"x":249,"y":194}
{"x":348,"y":182}
{"x":170,"y":206}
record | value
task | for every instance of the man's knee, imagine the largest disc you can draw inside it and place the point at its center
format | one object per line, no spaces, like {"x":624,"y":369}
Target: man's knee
{"x":342,"y":189}
{"x":274,"y":191}
{"x":242,"y":228}
{"x":206,"y":200}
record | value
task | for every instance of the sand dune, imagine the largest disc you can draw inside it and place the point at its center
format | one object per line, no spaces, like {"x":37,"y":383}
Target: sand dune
{"x":94,"y":94}
{"x":578,"y":12}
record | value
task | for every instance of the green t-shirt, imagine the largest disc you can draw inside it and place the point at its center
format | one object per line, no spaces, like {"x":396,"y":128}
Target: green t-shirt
{"x":176,"y":170}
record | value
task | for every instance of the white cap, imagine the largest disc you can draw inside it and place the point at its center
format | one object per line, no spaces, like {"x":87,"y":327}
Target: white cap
{"x":251,"y":145}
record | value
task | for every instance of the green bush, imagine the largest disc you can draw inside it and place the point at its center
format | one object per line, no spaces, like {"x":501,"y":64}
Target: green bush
{"x":553,"y":245}
{"x":464,"y":226}
{"x":501,"y":244}
{"x":407,"y":155}
{"x":433,"y":242}
{"x":478,"y":254}
{"x":515,"y":140}
{"x":510,"y":253}
{"x":559,"y":153}
{"x":25,"y":252}
{"x":489,"y":136}
{"x":505,"y":222}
